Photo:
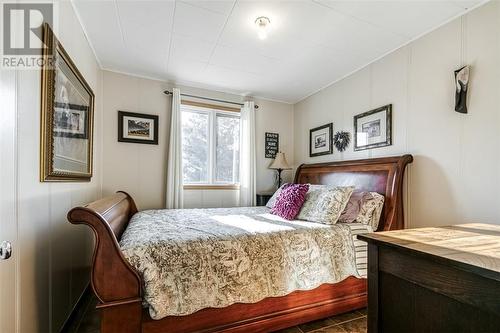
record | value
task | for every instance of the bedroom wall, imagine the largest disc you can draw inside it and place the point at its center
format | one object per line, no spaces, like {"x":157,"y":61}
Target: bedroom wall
{"x":455,"y":175}
{"x":53,"y":256}
{"x":141,"y":169}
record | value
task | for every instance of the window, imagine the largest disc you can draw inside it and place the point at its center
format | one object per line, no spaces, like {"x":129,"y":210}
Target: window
{"x":210,"y":146}
{"x":195,"y":148}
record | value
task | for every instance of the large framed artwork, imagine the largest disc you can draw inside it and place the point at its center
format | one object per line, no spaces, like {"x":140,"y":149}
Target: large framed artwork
{"x":137,"y":128}
{"x":373,"y":129}
{"x":67,"y":112}
{"x":321,"y":140}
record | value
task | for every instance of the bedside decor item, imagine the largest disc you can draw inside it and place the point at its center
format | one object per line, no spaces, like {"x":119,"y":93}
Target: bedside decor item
{"x":373,"y":128}
{"x":67,"y":111}
{"x":341,"y":140}
{"x":462,"y":85}
{"x":290,"y":200}
{"x":280,"y":164}
{"x":272,"y":144}
{"x":137,"y":128}
{"x":321,"y":140}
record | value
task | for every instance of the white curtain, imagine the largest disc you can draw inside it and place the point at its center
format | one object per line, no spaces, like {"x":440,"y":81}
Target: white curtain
{"x":247,"y":156}
{"x":174,"y":163}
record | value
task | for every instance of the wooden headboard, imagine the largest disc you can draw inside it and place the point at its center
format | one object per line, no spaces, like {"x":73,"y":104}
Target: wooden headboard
{"x":382,"y":175}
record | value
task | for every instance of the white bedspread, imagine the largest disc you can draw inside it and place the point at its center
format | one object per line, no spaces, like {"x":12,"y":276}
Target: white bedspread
{"x":192,"y":259}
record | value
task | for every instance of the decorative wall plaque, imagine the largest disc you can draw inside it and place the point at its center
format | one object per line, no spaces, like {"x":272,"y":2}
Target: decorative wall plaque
{"x":272,"y":144}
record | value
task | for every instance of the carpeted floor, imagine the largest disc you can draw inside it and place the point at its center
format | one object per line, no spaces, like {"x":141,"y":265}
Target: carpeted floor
{"x":87,"y":321}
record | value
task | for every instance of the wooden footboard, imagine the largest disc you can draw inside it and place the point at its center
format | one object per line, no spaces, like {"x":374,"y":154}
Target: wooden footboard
{"x":270,"y":314}
{"x":118,"y":286}
{"x":115,"y":283}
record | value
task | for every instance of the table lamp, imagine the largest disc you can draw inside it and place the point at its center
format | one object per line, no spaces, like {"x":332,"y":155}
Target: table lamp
{"x":280,"y":164}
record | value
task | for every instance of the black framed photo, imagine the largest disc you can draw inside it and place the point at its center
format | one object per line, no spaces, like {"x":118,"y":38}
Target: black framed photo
{"x":272,"y":144}
{"x":321,"y":140}
{"x":373,"y":129}
{"x":137,"y":128}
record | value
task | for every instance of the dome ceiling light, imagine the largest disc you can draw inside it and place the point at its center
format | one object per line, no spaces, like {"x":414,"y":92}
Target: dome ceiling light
{"x":262,"y":24}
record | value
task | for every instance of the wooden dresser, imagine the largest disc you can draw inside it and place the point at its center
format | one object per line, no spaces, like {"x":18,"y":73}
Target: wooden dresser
{"x":444,"y":279}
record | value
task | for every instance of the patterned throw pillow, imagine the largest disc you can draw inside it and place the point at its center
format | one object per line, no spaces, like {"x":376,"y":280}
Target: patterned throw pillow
{"x":371,"y":210}
{"x":325,"y":205}
{"x":351,"y":211}
{"x":290,"y":200}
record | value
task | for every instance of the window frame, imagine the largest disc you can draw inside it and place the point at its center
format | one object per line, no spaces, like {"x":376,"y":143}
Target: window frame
{"x":213,"y":112}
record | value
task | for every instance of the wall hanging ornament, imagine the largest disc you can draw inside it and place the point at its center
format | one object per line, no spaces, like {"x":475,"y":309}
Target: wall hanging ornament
{"x":462,"y":86}
{"x":341,"y":140}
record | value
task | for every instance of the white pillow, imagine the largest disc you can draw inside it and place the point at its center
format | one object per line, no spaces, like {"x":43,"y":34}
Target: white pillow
{"x":270,"y":203}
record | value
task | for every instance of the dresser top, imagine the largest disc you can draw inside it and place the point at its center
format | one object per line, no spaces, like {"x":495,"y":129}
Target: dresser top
{"x":475,"y":244}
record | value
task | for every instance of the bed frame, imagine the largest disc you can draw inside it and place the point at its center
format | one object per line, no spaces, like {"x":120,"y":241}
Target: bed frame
{"x":118,"y":286}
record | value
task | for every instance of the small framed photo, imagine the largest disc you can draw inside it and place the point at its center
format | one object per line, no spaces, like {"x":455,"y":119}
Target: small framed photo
{"x":137,"y":128}
{"x":321,"y":140}
{"x":373,"y":128}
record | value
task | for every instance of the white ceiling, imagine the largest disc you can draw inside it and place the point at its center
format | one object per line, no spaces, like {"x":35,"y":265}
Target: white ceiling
{"x":214,"y":44}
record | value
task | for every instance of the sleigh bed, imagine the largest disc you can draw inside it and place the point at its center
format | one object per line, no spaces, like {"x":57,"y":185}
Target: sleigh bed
{"x":120,"y":290}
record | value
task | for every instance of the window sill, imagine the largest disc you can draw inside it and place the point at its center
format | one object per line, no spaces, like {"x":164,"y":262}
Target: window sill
{"x":212,"y":187}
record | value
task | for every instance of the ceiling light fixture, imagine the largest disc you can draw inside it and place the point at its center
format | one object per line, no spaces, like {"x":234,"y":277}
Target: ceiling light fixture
{"x":262,"y":24}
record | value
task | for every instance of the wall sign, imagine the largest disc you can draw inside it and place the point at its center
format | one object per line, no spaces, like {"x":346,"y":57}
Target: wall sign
{"x":272,"y":144}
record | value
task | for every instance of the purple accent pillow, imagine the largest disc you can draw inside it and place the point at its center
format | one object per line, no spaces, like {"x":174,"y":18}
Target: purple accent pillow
{"x":290,"y":200}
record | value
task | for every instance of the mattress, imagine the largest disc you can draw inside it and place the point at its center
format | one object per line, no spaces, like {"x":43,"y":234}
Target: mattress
{"x":191,"y":259}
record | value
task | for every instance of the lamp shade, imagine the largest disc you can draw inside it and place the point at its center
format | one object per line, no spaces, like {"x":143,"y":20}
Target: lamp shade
{"x":280,"y":162}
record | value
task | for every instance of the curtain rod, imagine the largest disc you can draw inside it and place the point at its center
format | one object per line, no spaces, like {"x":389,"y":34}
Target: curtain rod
{"x":166,"y":92}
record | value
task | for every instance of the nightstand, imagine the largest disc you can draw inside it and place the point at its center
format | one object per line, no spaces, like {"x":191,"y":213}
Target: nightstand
{"x":263,"y":198}
{"x":441,"y":279}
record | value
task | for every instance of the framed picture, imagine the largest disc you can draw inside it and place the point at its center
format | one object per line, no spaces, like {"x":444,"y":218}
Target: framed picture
{"x":321,"y":140}
{"x":70,"y":120}
{"x":373,"y":128}
{"x":67,"y":111}
{"x":272,"y":144}
{"x":137,"y":128}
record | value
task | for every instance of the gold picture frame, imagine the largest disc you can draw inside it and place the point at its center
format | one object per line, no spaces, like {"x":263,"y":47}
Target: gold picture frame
{"x":67,"y":116}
